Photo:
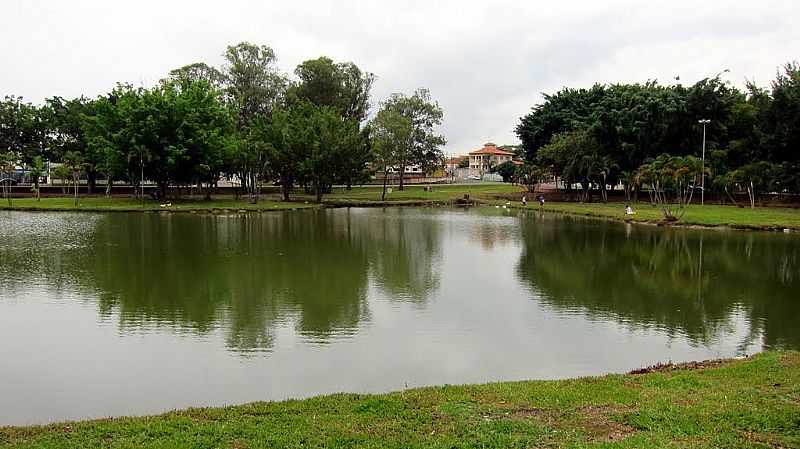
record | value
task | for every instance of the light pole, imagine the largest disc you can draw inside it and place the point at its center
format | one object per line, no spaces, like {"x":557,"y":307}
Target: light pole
{"x":703,"y":122}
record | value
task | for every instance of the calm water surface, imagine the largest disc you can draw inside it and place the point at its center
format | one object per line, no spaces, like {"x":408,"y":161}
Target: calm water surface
{"x":120,"y":314}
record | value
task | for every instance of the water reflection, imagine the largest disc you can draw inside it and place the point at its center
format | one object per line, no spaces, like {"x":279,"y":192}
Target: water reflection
{"x":404,"y":252}
{"x":245,"y":274}
{"x":682,"y":282}
{"x":201,"y":310}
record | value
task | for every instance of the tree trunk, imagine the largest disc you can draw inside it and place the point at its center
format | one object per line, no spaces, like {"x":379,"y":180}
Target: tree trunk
{"x":91,"y":181}
{"x":109,"y":183}
{"x":254,"y":189}
{"x":75,"y":177}
{"x":162,"y":190}
{"x":733,"y":200}
{"x":385,"y":177}
{"x":286,"y":187}
{"x":318,"y":188}
{"x":401,"y":185}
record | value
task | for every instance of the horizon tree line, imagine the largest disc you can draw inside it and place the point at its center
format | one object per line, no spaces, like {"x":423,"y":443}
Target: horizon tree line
{"x":245,"y":120}
{"x":649,"y":136}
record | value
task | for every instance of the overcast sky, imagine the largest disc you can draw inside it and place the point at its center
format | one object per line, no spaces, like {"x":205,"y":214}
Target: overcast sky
{"x":486,"y":62}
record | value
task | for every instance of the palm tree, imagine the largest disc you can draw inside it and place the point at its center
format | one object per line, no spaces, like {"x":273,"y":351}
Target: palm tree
{"x":7,"y":163}
{"x":74,"y":162}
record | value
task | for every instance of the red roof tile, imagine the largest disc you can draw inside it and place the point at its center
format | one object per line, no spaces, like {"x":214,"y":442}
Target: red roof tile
{"x":491,"y":148}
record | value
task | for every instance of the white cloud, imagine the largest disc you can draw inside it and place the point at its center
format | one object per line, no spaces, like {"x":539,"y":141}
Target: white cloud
{"x":486,"y":63}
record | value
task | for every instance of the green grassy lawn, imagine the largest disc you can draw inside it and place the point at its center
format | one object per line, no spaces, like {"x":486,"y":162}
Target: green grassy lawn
{"x":708,"y":215}
{"x":131,"y":204}
{"x":752,"y":403}
{"x":440,"y":192}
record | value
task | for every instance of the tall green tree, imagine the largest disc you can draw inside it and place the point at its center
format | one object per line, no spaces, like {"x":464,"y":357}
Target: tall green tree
{"x":68,"y":134}
{"x":424,"y":146}
{"x":198,"y":71}
{"x":328,"y":141}
{"x":342,"y":86}
{"x":389,"y":132}
{"x":252,"y":82}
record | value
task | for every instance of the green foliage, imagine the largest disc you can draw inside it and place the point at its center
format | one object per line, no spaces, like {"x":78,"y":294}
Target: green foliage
{"x":341,"y":86}
{"x":198,"y":71}
{"x":424,"y":144}
{"x":243,"y":121}
{"x":507,"y":170}
{"x":672,"y":181}
{"x":389,"y":133}
{"x":623,"y":126}
{"x":529,"y":175}
{"x":253,"y":84}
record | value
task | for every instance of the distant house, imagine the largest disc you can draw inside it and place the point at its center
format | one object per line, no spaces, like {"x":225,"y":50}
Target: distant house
{"x":481,"y":161}
{"x":451,"y":164}
{"x":409,"y":170}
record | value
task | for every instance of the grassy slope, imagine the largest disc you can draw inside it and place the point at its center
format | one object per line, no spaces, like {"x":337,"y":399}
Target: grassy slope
{"x":708,"y":215}
{"x":416,"y":192}
{"x":740,"y":404}
{"x":130,"y":204}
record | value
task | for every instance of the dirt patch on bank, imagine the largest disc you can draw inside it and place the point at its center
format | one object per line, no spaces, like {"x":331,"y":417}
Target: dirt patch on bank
{"x":599,"y":423}
{"x":669,"y":366}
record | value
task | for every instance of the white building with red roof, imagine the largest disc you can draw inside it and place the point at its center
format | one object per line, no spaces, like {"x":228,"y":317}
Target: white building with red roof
{"x":482,"y":160}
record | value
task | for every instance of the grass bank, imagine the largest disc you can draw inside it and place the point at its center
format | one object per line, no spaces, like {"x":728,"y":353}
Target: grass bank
{"x":102,"y":204}
{"x":751,"y":403}
{"x":366,"y":196}
{"x":761,"y":218}
{"x":437,"y":193}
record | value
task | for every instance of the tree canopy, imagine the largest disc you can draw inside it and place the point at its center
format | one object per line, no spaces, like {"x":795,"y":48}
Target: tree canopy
{"x":607,"y":133}
{"x":245,"y":121}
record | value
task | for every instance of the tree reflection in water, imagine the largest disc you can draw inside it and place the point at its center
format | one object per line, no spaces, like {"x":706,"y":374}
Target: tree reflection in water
{"x":686,"y":282}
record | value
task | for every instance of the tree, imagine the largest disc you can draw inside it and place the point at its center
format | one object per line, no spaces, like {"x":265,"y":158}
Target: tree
{"x":344,"y":88}
{"x":36,"y":172}
{"x":67,"y":118}
{"x":198,"y":71}
{"x":108,"y":136}
{"x":783,"y":116}
{"x":327,"y":141}
{"x":253,"y":84}
{"x":576,"y":156}
{"x":424,"y":144}
{"x":61,"y":172}
{"x":672,"y":181}
{"x":23,"y":132}
{"x":389,"y":134}
{"x":529,"y":175}
{"x":755,"y":177}
{"x":341,"y":86}
{"x":287,"y":138}
{"x":73,"y":161}
{"x":7,"y":163}
{"x":507,"y":170}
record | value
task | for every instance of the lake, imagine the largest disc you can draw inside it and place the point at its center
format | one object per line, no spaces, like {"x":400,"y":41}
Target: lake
{"x":130,"y":313}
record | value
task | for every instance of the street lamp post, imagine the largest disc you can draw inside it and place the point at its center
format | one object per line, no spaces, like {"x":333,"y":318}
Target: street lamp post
{"x":703,"y":122}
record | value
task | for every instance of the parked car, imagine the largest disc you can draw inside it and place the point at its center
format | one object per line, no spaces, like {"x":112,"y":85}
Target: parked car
{"x":475,"y":178}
